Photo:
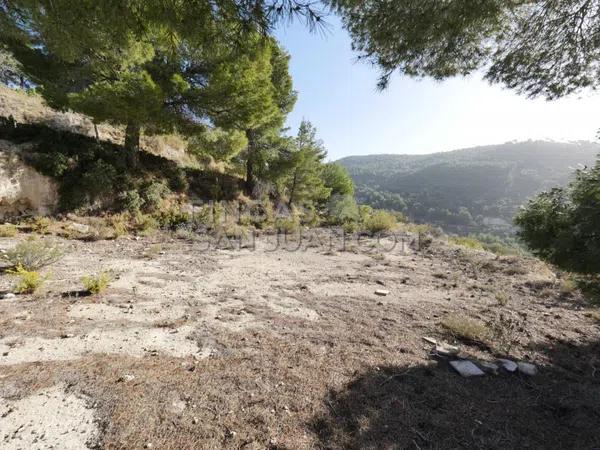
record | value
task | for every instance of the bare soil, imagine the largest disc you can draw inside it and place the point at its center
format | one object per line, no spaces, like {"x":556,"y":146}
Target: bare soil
{"x":255,"y":347}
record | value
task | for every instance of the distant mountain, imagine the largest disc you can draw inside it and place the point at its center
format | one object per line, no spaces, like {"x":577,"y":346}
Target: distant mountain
{"x":471,"y":190}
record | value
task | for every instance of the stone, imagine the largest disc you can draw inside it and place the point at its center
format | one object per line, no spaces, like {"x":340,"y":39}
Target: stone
{"x":8,"y":296}
{"x":447,"y":350}
{"x":380,"y":282}
{"x":508,"y":365}
{"x":467,"y":368}
{"x":79,"y":227}
{"x":430,"y":340}
{"x":489,"y":367}
{"x":382,"y":292}
{"x":527,"y":369}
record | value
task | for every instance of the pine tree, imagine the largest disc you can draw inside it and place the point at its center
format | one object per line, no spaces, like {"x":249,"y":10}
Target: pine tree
{"x":304,"y":182}
{"x":144,"y":64}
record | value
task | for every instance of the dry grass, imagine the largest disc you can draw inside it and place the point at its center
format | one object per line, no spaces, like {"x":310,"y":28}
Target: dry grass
{"x":466,"y":329}
{"x":356,"y":375}
{"x":8,"y":230}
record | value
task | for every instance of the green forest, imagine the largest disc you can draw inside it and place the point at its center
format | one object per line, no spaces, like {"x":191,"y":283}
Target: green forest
{"x":477,"y":190}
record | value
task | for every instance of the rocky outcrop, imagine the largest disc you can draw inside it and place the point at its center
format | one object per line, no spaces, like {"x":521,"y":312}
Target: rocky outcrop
{"x":23,"y":190}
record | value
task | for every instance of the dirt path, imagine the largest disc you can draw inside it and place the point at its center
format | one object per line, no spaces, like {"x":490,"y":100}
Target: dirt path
{"x":263,"y":348}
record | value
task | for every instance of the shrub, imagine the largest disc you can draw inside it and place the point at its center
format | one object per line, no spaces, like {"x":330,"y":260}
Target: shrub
{"x":96,"y":284}
{"x":32,"y":254}
{"x":466,"y":329}
{"x":561,"y":226}
{"x":29,"y":280}
{"x":131,"y":201}
{"x":145,"y":224}
{"x":153,"y":194}
{"x":379,"y":221}
{"x":287,"y":225}
{"x":8,"y":230}
{"x":504,"y":332}
{"x":467,"y":242}
{"x":172,"y":218}
{"x":119,"y":224}
{"x":41,"y":225}
{"x":502,"y":298}
{"x":343,"y":210}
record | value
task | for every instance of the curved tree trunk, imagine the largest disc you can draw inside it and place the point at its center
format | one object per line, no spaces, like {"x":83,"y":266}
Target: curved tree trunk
{"x":132,"y":143}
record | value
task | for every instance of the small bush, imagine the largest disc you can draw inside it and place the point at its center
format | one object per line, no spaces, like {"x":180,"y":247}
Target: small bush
{"x":467,"y":242}
{"x":466,"y":329}
{"x":41,"y":225}
{"x":287,"y":225}
{"x":29,"y":280}
{"x":131,"y":201}
{"x":502,"y":298}
{"x":32,"y":254}
{"x":145,"y":224}
{"x":96,"y":284}
{"x":153,"y":194}
{"x":8,"y":230}
{"x":379,"y":221}
{"x":119,"y":224}
{"x":504,"y":332}
{"x":172,"y":218}
{"x":567,"y":287}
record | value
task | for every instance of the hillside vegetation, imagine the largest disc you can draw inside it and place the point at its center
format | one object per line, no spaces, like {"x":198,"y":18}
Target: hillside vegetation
{"x":468,"y":191}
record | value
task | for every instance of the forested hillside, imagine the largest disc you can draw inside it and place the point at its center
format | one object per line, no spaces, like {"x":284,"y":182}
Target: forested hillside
{"x":471,"y":190}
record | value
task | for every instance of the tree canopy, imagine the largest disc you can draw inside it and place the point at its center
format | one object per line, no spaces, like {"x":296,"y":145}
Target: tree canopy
{"x":149,"y":65}
{"x":540,"y":47}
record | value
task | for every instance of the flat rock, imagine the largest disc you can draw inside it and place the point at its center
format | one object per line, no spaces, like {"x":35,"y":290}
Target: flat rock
{"x":467,"y":368}
{"x":508,"y":365}
{"x":527,"y":369}
{"x":7,"y":296}
{"x":382,"y":292}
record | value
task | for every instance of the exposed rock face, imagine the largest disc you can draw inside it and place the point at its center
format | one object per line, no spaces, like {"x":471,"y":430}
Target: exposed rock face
{"x":22,"y":189}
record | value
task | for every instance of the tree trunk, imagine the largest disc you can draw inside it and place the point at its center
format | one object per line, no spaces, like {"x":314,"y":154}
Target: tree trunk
{"x":132,"y":143}
{"x":250,"y":181}
{"x":293,"y":189}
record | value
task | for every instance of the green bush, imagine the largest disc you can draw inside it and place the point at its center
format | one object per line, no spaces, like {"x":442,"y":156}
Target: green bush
{"x":287,"y":225}
{"x":153,"y":194}
{"x":379,"y":221}
{"x":96,"y":284}
{"x":343,"y":210}
{"x":32,"y":254}
{"x":131,"y":201}
{"x":561,"y":226}
{"x":172,"y":218}
{"x":29,"y":280}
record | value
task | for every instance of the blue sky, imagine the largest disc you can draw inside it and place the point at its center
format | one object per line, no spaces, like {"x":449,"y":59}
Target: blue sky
{"x":339,"y":96}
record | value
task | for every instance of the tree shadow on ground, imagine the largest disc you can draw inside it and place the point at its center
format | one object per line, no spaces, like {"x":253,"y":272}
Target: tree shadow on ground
{"x":430,"y":406}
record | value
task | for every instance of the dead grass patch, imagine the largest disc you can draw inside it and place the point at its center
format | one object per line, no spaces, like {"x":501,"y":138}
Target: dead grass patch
{"x":466,"y":329}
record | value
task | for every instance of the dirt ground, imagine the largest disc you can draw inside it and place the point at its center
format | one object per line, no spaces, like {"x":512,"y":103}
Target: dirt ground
{"x":194,"y":346}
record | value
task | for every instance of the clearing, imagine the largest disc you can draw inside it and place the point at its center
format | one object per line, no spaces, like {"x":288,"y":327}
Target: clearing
{"x":194,"y":346}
